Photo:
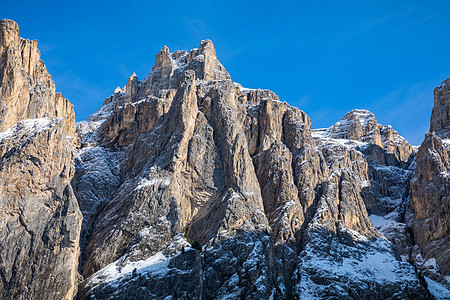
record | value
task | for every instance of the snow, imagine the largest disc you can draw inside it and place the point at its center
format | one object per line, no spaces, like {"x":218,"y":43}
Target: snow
{"x":446,"y":143}
{"x":29,"y":126}
{"x":102,"y":113}
{"x":442,"y":86}
{"x":155,"y":265}
{"x":438,"y":290}
{"x":384,"y":224}
{"x":84,"y":127}
{"x":325,"y":136}
{"x":144,"y":182}
{"x":179,"y":63}
{"x":341,"y":264}
{"x":431,"y":263}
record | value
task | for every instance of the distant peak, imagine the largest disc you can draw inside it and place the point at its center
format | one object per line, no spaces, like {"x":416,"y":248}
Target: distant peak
{"x":163,"y":59}
{"x":358,"y":113}
{"x":354,"y":125}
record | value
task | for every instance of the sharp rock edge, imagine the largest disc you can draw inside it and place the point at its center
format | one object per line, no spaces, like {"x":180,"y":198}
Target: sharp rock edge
{"x":187,"y":185}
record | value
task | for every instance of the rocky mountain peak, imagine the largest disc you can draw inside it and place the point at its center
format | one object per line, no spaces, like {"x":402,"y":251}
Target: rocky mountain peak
{"x":440,"y":116}
{"x":9,"y":33}
{"x":207,"y":48}
{"x":354,"y":125}
{"x":188,"y":185}
{"x":163,"y":62}
{"x":27,"y":90}
{"x":36,"y":169}
{"x":203,"y":60}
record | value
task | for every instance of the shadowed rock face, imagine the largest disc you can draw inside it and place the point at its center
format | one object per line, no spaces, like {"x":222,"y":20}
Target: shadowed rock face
{"x":189,"y":152}
{"x":430,"y":188}
{"x":187,"y":156}
{"x":440,"y":116}
{"x":40,"y":220}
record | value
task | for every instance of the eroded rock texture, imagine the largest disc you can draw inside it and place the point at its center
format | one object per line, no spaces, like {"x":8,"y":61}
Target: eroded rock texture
{"x":193,"y":187}
{"x":188,"y":152}
{"x":40,"y":220}
{"x":430,"y":190}
{"x":440,"y":116}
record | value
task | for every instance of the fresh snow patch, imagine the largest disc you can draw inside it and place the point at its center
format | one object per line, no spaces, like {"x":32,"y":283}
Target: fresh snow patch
{"x":383,"y":224}
{"x":155,"y":264}
{"x":324,"y":135}
{"x":164,"y":181}
{"x":431,"y":263}
{"x":29,"y":126}
{"x":438,"y":290}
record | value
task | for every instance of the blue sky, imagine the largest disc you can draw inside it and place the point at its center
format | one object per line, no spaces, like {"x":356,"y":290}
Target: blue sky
{"x":325,"y":57}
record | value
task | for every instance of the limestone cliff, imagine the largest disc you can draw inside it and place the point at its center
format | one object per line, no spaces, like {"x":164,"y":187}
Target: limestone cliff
{"x":430,"y":190}
{"x":440,"y":116}
{"x":186,"y":185}
{"x":40,"y":220}
{"x":188,"y":152}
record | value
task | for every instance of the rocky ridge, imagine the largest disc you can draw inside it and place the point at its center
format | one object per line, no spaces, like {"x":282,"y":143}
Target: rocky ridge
{"x":189,"y":157}
{"x":247,"y":178}
{"x":40,"y":220}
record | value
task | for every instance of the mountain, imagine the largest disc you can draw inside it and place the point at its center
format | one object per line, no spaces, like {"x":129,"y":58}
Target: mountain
{"x":40,"y":219}
{"x":188,"y":185}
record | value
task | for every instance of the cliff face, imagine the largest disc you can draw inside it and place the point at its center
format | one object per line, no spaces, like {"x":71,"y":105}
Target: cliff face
{"x":27,"y":89}
{"x":187,"y":185}
{"x":188,"y":152}
{"x":430,"y":189}
{"x":440,"y":116}
{"x":40,"y":220}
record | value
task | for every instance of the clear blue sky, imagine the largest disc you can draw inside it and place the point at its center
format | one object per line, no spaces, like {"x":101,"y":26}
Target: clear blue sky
{"x":325,"y":57}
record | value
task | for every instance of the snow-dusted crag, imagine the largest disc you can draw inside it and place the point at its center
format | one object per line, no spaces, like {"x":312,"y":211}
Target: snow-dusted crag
{"x":280,"y":210}
{"x":185,"y":185}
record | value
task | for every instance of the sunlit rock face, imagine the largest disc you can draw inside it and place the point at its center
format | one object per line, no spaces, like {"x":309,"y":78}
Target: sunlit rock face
{"x":189,"y":153}
{"x":27,"y":90}
{"x":186,"y":185}
{"x":40,"y":220}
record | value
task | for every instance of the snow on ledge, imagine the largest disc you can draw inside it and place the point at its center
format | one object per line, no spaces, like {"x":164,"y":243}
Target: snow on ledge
{"x":29,"y":126}
{"x":438,"y":290}
{"x":156,"y":265}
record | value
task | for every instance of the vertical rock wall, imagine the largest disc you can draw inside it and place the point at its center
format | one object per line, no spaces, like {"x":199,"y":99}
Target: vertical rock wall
{"x":40,"y":220}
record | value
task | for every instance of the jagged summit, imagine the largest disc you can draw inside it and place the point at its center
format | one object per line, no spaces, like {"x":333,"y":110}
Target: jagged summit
{"x":187,"y":185}
{"x":359,"y":128}
{"x":9,"y":33}
{"x":354,"y":125}
{"x":165,"y":77}
{"x":440,"y":116}
{"x":203,"y":60}
{"x":27,"y":90}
